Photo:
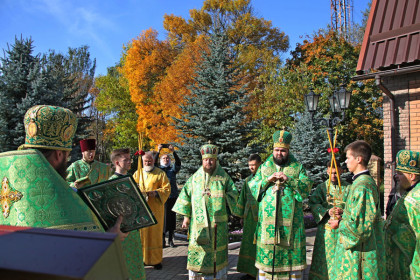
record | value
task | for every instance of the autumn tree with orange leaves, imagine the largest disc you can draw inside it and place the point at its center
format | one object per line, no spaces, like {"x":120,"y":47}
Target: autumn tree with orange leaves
{"x":159,"y":72}
{"x":145,"y":65}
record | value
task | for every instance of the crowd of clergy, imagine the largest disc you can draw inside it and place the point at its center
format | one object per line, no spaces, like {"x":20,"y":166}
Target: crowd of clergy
{"x":352,"y":241}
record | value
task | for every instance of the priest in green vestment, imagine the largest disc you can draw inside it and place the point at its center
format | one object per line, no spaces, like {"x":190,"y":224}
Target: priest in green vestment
{"x":359,"y":251}
{"x":247,"y":209}
{"x":34,"y":192}
{"x":131,"y":245}
{"x":87,"y":171}
{"x":400,"y":232}
{"x":412,"y":203}
{"x":279,"y":186}
{"x":327,"y":201}
{"x":203,"y":202}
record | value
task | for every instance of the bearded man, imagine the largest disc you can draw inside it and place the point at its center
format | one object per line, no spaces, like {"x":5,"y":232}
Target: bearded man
{"x":279,"y":186}
{"x":171,"y":170}
{"x":400,"y":232}
{"x":154,"y":184}
{"x":34,"y":191}
{"x":203,"y":202}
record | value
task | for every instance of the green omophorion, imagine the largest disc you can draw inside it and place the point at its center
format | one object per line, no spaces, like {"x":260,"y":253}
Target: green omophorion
{"x":247,"y":208}
{"x":326,"y":237}
{"x":204,"y":199}
{"x":359,"y":251}
{"x":290,"y":253}
{"x":37,"y":196}
{"x":45,"y":200}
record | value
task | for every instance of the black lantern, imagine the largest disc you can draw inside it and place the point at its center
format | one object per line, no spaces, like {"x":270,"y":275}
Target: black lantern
{"x":334,"y":104}
{"x":311,"y":101}
{"x":339,"y":102}
{"x":343,"y":97}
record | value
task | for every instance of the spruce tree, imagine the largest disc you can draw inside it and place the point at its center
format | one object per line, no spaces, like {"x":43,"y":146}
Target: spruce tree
{"x":73,"y":75}
{"x":310,"y":147}
{"x":215,"y":112}
{"x":24,"y":82}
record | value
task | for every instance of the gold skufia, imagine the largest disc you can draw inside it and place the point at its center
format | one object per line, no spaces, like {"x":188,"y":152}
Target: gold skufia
{"x":413,"y":163}
{"x":404,"y":157}
{"x":32,"y":129}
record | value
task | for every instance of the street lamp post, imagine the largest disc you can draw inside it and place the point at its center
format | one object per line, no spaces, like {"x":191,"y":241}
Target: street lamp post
{"x":339,"y":102}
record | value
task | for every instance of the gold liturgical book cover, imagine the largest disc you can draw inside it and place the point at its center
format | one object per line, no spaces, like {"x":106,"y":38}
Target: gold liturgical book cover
{"x":115,"y":197}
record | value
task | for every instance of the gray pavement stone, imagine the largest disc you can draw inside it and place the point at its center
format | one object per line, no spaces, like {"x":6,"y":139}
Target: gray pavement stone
{"x":175,"y":261}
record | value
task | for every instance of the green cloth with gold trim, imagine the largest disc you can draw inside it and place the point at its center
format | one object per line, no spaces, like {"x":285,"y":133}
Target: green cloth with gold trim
{"x":247,"y":208}
{"x":400,"y":242}
{"x":133,"y":252}
{"x":326,"y":237}
{"x":408,"y":162}
{"x":282,"y":139}
{"x":290,"y":245}
{"x":204,"y":198}
{"x":209,"y":151}
{"x":44,"y":199}
{"x":359,"y":252}
{"x":412,"y":204}
{"x":49,"y":127}
{"x":96,"y":172}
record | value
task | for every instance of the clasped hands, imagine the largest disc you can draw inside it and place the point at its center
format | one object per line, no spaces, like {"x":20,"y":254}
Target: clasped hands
{"x":335,"y":217}
{"x":276,"y":176}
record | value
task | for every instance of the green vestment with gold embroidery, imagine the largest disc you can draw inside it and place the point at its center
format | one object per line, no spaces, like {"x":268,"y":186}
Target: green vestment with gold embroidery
{"x":133,"y":252}
{"x":204,"y":198}
{"x":400,"y":241}
{"x":326,"y":237}
{"x":35,"y":195}
{"x":43,"y":198}
{"x":247,"y":209}
{"x":96,"y":172}
{"x":290,"y":252}
{"x":412,"y":204}
{"x":359,"y":252}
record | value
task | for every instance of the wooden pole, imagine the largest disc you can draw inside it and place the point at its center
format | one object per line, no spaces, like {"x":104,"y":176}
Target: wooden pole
{"x":140,"y":166}
{"x":333,"y":165}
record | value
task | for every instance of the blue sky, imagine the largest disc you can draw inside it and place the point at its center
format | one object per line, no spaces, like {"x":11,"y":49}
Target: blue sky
{"x":105,"y":26}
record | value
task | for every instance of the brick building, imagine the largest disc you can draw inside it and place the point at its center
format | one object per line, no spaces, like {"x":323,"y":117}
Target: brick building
{"x":390,"y":54}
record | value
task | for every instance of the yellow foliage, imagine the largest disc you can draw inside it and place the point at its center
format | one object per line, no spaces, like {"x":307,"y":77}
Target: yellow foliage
{"x":145,"y":64}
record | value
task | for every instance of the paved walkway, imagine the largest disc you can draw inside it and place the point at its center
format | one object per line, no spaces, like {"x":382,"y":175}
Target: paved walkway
{"x":175,"y":261}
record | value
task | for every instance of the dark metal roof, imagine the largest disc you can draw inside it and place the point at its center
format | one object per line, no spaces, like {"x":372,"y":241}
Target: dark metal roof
{"x":392,"y":36}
